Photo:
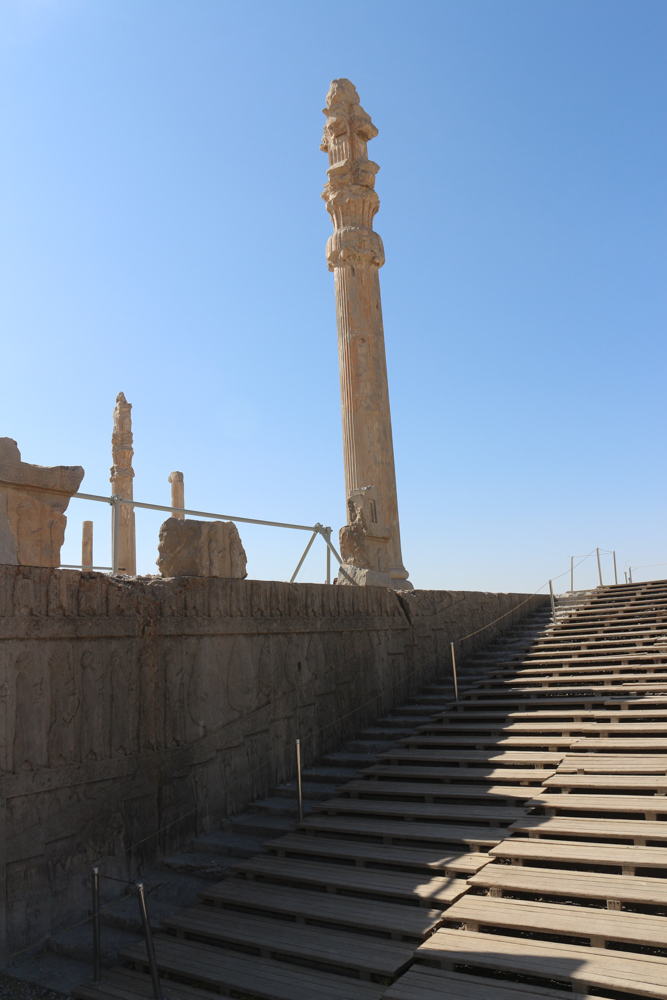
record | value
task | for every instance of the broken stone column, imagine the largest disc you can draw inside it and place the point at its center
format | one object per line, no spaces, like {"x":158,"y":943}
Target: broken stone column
{"x":201,"y":548}
{"x":177,"y":492}
{"x":355,"y":254}
{"x":87,"y":545}
{"x":365,"y":542}
{"x":33,"y":501}
{"x":122,"y":475}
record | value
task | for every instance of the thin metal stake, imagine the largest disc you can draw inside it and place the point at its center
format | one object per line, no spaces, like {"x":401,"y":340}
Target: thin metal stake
{"x":298,"y":779}
{"x":553,"y":602}
{"x":150,"y":950}
{"x":456,"y":684}
{"x":97,"y":949}
{"x":630,"y":573}
{"x":571,"y":574}
{"x":615,"y":573}
{"x":599,"y":566}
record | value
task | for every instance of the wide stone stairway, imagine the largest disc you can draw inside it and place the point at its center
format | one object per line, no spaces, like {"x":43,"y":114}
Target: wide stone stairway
{"x":509,"y":846}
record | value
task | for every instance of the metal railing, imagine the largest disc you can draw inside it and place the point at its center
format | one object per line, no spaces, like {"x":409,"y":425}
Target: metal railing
{"x":116,"y":502}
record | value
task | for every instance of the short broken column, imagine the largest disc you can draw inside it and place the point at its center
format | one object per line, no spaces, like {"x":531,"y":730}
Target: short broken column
{"x":177,"y":493}
{"x":365,"y":541}
{"x":33,"y":501}
{"x":201,"y":548}
{"x":87,"y":545}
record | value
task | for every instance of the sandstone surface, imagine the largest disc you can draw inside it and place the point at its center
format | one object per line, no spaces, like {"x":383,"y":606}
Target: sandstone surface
{"x":33,"y":501}
{"x":201,"y":548}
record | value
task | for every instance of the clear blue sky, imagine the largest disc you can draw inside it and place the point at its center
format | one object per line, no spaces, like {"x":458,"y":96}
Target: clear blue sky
{"x":162,"y":233}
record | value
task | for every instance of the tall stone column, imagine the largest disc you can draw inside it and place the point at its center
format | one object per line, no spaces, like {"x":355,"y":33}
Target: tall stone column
{"x":122,"y":475}
{"x":355,"y":254}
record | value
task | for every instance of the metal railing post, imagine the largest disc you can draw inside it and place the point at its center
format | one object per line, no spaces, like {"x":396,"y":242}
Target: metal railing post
{"x":305,"y":552}
{"x":553,"y":602}
{"x":599,"y":566}
{"x":571,"y":574}
{"x":615,"y":573}
{"x":298,"y":779}
{"x":150,"y":950}
{"x":115,"y":534}
{"x":630,"y":573}
{"x":456,"y":684}
{"x":97,"y":947}
{"x":327,"y":539}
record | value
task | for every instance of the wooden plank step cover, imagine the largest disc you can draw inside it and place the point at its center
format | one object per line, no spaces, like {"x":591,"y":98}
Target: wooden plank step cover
{"x":393,"y":829}
{"x":379,"y":854}
{"x":600,"y":967}
{"x":575,"y":852}
{"x":375,"y":956}
{"x":388,"y":918}
{"x":584,"y":885}
{"x":423,"y":983}
{"x":258,"y":976}
{"x":437,"y":889}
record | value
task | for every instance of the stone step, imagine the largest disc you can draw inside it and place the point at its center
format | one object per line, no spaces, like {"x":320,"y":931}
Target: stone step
{"x":211,"y":866}
{"x":165,"y":892}
{"x":233,"y":845}
{"x":348,"y":759}
{"x":258,"y":825}
{"x":317,"y":790}
{"x":77,"y":943}
{"x":329,"y":775}
{"x":277,"y":806}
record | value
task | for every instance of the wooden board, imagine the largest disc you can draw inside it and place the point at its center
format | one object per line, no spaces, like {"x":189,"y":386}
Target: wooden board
{"x":575,"y":885}
{"x":421,"y":889}
{"x":627,"y":745}
{"x":607,"y":763}
{"x":635,"y":830}
{"x":378,"y":855}
{"x":625,"y":856}
{"x":422,"y":810}
{"x":275,"y":938}
{"x":392,"y":830}
{"x":453,"y":774}
{"x":609,"y":782}
{"x":259,"y":977}
{"x":650,"y":805}
{"x":399,"y":921}
{"x":584,"y":966}
{"x":422,"y":983}
{"x":440,"y":790}
{"x":536,"y":758}
{"x":598,"y":925}
{"x":510,"y":727}
{"x":553,"y":742}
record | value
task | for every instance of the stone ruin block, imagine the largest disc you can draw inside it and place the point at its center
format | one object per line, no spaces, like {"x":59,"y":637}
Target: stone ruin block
{"x":364,"y":541}
{"x":33,"y":501}
{"x":201,"y":548}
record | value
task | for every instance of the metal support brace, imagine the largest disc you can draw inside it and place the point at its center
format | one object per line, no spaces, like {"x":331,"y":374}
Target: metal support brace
{"x":97,"y":950}
{"x":150,"y":950}
{"x":599,"y":566}
{"x":316,"y":531}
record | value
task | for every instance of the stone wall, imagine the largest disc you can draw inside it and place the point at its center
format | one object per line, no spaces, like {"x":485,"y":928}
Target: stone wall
{"x":136,"y":713}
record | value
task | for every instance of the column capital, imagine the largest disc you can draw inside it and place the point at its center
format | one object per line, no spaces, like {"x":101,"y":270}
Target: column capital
{"x":349,"y":193}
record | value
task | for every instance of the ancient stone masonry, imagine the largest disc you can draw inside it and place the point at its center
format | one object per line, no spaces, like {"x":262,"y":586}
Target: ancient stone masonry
{"x":201,"y":548}
{"x":139,"y":712}
{"x":364,"y":541}
{"x":355,"y":254}
{"x":33,"y":501}
{"x":122,"y":475}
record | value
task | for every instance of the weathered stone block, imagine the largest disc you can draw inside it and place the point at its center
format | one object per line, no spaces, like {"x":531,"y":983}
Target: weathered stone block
{"x":33,"y":499}
{"x":201,"y":548}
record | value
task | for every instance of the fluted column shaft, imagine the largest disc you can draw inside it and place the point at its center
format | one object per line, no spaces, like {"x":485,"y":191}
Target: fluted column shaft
{"x":355,"y":254}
